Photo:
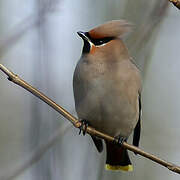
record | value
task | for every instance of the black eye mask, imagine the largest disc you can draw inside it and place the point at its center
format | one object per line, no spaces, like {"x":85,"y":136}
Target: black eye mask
{"x":98,"y":42}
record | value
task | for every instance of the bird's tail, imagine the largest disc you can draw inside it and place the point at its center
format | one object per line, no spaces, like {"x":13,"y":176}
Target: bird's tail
{"x":117,"y":158}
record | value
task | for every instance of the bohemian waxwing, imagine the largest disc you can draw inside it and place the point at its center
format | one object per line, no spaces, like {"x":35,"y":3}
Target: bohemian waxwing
{"x":107,"y":89}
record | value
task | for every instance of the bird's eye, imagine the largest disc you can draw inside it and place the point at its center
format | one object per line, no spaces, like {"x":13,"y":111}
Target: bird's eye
{"x":99,"y":42}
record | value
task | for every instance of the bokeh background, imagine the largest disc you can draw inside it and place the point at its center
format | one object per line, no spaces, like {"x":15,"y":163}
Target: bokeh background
{"x":38,"y":41}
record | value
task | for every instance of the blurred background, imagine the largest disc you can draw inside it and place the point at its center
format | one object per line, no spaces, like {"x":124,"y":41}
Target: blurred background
{"x":38,"y":41}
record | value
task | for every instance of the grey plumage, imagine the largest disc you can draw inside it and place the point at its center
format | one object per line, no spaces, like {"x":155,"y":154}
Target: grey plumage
{"x":106,"y":93}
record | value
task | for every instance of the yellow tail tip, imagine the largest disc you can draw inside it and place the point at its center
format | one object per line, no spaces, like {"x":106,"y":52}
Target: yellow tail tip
{"x":118,"y":168}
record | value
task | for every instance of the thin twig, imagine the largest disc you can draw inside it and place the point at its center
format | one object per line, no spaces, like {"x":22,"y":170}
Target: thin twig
{"x":176,"y":3}
{"x":90,"y":130}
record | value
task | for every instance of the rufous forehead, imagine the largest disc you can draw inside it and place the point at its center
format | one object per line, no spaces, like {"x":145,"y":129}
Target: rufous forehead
{"x":95,"y":35}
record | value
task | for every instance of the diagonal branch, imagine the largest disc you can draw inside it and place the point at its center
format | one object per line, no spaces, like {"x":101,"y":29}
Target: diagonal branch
{"x":90,"y":130}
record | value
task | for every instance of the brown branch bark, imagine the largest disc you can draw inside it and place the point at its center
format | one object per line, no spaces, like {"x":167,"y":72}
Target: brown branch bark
{"x":176,"y":3}
{"x":90,"y":130}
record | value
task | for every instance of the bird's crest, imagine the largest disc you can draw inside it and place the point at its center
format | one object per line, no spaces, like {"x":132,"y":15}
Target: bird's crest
{"x":114,"y":28}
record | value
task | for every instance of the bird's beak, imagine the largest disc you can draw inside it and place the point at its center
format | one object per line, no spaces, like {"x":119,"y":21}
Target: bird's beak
{"x":83,"y":35}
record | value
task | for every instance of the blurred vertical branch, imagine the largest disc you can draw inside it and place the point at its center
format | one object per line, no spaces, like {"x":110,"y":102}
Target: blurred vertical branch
{"x":138,"y":43}
{"x":40,"y":117}
{"x":26,"y":25}
{"x":149,"y":25}
{"x":37,"y":154}
{"x":35,"y":20}
{"x":148,"y":29}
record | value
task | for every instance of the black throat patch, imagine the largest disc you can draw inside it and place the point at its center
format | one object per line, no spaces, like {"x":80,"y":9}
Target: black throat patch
{"x":86,"y":47}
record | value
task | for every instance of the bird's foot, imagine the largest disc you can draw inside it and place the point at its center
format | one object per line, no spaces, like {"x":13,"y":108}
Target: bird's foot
{"x":83,"y":127}
{"x":120,"y":139}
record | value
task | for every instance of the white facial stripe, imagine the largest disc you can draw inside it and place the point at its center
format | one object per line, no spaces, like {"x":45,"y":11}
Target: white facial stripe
{"x":101,"y":45}
{"x":90,"y":43}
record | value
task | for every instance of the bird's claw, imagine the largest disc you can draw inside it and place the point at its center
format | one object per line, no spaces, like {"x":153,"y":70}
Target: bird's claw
{"x":120,"y":139}
{"x":83,"y":127}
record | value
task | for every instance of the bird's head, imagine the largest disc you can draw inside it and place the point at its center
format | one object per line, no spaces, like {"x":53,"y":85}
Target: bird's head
{"x":103,"y":34}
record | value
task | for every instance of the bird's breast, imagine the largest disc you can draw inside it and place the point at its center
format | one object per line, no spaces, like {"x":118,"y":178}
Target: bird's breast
{"x":107,"y":97}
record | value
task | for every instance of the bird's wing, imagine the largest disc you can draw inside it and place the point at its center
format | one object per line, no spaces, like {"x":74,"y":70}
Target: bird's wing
{"x":80,"y":93}
{"x":137,"y":130}
{"x":78,"y":88}
{"x":98,"y":143}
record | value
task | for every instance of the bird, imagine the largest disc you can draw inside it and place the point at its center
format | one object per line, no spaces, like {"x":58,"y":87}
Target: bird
{"x":107,"y":90}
